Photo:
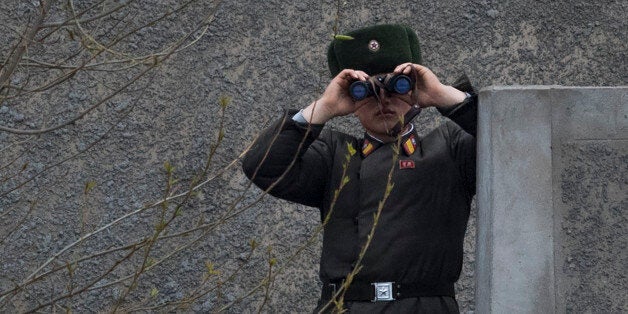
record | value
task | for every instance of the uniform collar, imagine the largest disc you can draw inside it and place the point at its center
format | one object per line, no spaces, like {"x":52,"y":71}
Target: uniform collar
{"x":409,"y":142}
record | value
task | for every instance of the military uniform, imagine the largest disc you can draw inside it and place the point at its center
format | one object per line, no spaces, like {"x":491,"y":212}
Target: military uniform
{"x":419,"y":237}
{"x":415,"y":255}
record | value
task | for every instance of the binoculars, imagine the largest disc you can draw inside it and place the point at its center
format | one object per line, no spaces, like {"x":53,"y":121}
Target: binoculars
{"x":399,"y":84}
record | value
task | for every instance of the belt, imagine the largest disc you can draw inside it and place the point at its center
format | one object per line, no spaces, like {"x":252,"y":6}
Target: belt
{"x":386,"y":291}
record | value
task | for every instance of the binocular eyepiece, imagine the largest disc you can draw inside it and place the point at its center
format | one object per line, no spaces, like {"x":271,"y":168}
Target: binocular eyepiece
{"x":399,"y":84}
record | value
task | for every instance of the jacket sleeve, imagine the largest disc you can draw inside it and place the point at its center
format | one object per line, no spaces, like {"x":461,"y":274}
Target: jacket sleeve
{"x":462,"y":134}
{"x":465,"y":114}
{"x":290,"y":162}
{"x":463,"y":150}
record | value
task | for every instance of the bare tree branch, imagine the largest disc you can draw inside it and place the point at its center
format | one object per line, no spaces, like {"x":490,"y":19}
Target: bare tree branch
{"x":28,"y":38}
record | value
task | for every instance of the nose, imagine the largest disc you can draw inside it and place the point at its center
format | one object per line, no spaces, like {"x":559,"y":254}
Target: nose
{"x":385,"y":96}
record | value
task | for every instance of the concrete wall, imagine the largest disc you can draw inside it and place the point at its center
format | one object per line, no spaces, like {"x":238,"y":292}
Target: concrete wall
{"x":266,"y":56}
{"x":552,"y":232}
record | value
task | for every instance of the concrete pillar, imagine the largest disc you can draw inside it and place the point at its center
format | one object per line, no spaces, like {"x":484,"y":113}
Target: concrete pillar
{"x":523,"y":206}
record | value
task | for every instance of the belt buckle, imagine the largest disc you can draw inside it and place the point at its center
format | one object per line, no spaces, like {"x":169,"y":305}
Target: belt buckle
{"x":383,"y":291}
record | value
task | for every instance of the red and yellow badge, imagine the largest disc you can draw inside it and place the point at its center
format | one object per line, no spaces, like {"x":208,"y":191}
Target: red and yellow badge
{"x":367,"y":147}
{"x":409,"y":145}
{"x":406,"y":164}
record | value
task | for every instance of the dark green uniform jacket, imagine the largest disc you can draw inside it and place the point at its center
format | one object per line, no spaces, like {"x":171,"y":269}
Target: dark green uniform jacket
{"x":419,"y":237}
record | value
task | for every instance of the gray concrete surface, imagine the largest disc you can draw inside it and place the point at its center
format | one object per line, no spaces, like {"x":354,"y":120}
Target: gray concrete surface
{"x":266,"y":56}
{"x":553,"y":167}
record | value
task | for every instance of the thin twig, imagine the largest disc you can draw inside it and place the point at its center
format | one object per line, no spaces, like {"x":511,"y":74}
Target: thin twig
{"x":14,"y":59}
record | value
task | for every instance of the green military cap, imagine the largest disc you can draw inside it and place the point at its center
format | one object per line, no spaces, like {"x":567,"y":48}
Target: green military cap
{"x":374,"y":50}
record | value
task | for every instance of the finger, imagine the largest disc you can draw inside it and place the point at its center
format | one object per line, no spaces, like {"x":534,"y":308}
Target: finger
{"x":348,"y":74}
{"x":363,"y":76}
{"x":355,"y":75}
{"x":404,"y":67}
{"x":421,"y":70}
{"x":400,"y":67}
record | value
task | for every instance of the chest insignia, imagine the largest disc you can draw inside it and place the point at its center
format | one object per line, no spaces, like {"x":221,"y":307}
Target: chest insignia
{"x":409,"y":145}
{"x":367,"y":147}
{"x":406,"y":164}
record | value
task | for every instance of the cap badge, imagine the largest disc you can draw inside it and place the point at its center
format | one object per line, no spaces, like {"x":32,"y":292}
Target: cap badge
{"x":373,"y":45}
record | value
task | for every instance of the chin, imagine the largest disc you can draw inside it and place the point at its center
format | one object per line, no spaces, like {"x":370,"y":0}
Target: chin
{"x":382,"y":129}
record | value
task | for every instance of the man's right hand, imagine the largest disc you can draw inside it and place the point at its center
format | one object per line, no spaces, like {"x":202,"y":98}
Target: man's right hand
{"x":336,"y":100}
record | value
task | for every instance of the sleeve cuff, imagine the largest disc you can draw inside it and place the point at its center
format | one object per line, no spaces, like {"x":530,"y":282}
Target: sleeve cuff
{"x":447,"y":112}
{"x":465,"y":113}
{"x":463,"y":84}
{"x":294,"y":121}
{"x":299,"y":118}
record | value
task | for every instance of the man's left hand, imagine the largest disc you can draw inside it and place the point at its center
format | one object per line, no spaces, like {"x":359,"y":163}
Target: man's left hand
{"x":431,"y":92}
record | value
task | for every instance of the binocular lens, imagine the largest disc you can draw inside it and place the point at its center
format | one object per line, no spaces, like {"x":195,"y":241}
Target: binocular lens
{"x":359,"y":90}
{"x":402,"y":84}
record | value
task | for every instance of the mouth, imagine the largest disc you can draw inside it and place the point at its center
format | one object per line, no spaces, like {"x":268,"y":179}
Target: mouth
{"x":386,"y":113}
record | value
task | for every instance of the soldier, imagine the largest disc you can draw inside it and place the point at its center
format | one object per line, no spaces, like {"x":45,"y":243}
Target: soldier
{"x":420,"y":213}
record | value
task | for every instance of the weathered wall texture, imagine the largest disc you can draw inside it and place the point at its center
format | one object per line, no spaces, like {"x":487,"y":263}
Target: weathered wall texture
{"x":591,"y":200}
{"x":552,"y":232}
{"x":59,"y":186}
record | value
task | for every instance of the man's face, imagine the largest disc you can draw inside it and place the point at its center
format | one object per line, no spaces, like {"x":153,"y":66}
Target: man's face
{"x":379,"y":118}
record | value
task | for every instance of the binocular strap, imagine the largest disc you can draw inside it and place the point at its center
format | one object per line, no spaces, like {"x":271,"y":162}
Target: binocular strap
{"x":414,"y":111}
